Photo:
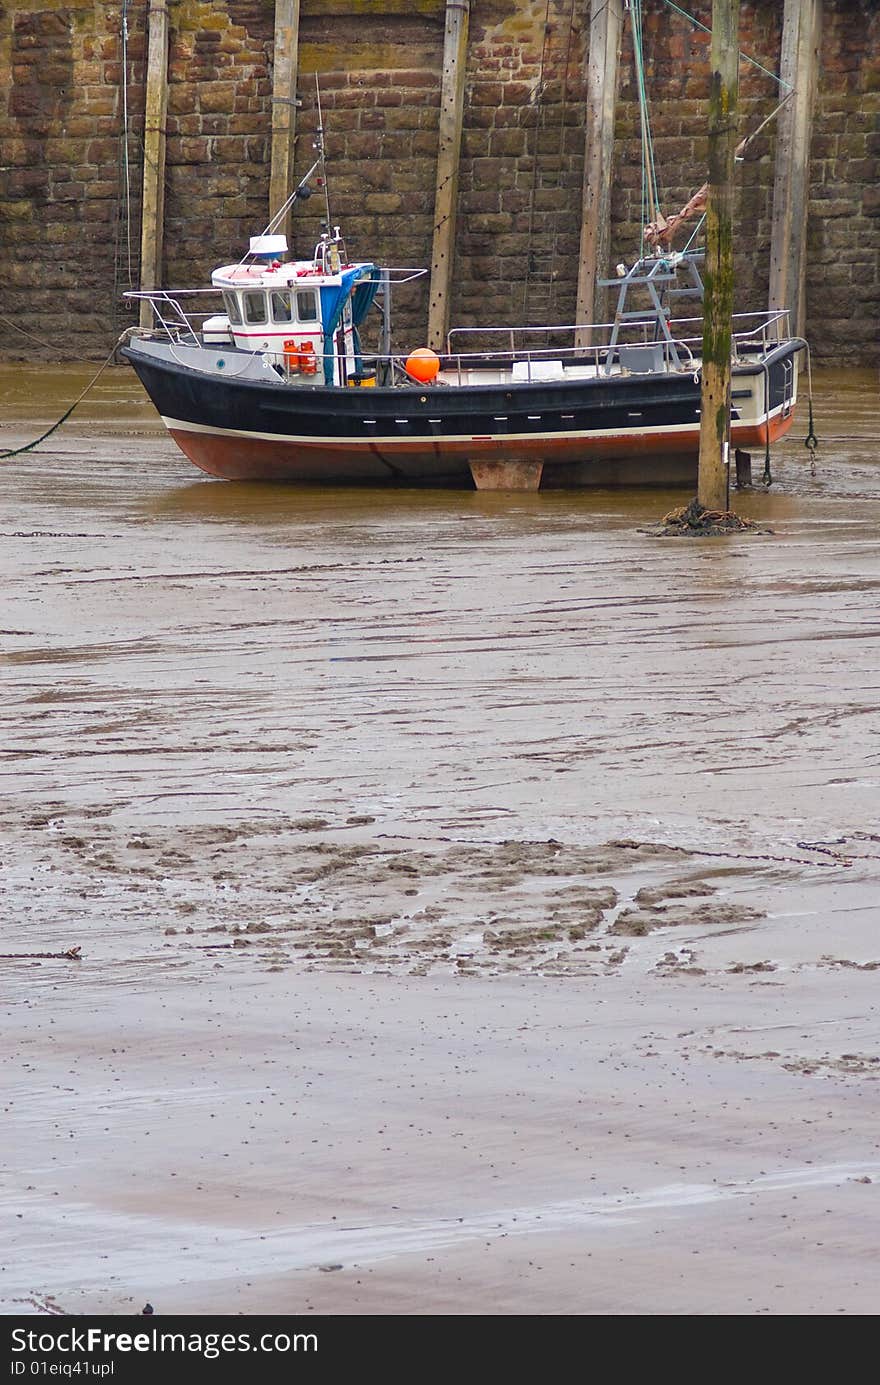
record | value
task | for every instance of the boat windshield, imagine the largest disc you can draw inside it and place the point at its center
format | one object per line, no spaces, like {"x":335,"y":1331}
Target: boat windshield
{"x":230,"y":302}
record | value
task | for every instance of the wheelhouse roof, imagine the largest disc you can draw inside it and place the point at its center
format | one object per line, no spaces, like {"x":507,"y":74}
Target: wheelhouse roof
{"x":293,"y":274}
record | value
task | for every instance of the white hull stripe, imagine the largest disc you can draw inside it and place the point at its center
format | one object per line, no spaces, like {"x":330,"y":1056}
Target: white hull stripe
{"x":429,"y":439}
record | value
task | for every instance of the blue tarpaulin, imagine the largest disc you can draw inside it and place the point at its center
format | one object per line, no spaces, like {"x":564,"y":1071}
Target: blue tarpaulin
{"x":361,"y":284}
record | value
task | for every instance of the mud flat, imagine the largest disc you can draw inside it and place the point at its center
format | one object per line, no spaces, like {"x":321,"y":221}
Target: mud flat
{"x":477,"y":896}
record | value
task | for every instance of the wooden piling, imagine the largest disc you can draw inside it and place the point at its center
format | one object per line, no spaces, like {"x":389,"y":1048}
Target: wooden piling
{"x":712,"y":490}
{"x":448,"y":155}
{"x":606,"y":24}
{"x":284,"y":73}
{"x":153,"y":194}
{"x":798,"y":67}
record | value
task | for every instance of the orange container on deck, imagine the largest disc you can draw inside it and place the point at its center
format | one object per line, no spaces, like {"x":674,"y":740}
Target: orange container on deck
{"x":308,"y":360}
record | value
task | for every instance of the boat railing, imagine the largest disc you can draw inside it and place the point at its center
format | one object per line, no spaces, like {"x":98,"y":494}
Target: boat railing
{"x":595,"y":348}
{"x":182,"y":325}
{"x":171,"y":318}
{"x":610,"y":344}
{"x":759,"y":331}
{"x":639,"y":345}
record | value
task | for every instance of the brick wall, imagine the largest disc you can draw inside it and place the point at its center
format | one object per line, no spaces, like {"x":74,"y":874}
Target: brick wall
{"x":844,"y":228}
{"x":522,"y":163}
{"x":70,"y":181}
{"x":59,"y":182}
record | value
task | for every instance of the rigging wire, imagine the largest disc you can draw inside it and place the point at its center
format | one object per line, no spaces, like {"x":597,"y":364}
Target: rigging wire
{"x":125,"y":132}
{"x":122,"y":274}
{"x":743,"y":56}
{"x":650,"y":196}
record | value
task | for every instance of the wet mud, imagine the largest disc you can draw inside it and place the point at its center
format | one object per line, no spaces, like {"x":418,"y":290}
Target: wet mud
{"x":342,"y":774}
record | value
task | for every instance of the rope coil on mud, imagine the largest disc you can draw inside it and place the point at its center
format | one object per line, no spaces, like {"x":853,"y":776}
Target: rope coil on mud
{"x":694,"y":521}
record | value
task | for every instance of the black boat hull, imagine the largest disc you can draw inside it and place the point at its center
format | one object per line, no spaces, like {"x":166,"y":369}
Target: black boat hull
{"x":623,"y":429}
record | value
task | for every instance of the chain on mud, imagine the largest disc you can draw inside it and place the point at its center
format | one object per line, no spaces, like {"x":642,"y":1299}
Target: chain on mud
{"x":838,"y":858}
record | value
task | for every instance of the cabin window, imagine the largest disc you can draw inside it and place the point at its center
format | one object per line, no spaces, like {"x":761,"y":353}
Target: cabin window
{"x":307,"y":306}
{"x":254,"y":307}
{"x":281,"y":306}
{"x":230,"y":302}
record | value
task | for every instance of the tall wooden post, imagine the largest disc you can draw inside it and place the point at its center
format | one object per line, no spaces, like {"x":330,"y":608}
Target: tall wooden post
{"x":153,"y":195}
{"x":606,"y":21}
{"x":284,"y":70}
{"x":718,"y":296}
{"x":448,"y":153}
{"x":799,"y":64}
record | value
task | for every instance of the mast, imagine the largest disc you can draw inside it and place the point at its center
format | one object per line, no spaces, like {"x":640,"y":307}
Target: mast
{"x":319,"y":147}
{"x":712,"y":488}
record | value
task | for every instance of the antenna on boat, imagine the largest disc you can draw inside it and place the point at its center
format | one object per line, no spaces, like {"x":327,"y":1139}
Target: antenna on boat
{"x":330,"y":250}
{"x":319,"y":146}
{"x":302,"y":191}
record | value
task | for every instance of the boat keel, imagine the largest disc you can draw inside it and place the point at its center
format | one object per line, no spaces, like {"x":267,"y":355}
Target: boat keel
{"x":502,"y":475}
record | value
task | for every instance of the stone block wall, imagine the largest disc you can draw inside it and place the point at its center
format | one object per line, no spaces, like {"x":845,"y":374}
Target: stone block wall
{"x":218,"y":128}
{"x":60,"y":177}
{"x":377,"y":68}
{"x":522,"y":163}
{"x":71,"y":125}
{"x":843,"y":237}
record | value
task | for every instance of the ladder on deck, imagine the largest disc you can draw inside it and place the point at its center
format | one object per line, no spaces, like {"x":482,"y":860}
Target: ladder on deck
{"x":659,"y":278}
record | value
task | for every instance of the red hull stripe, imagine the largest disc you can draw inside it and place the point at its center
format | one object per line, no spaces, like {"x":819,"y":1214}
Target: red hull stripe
{"x":244,"y":456}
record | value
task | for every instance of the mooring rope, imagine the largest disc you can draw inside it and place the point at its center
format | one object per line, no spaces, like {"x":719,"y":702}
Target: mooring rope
{"x":650,"y":192}
{"x":28,"y":447}
{"x":811,"y":442}
{"x":31,"y":336}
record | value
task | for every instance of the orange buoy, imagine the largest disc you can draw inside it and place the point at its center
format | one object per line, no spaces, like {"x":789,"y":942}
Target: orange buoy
{"x":423,"y":365}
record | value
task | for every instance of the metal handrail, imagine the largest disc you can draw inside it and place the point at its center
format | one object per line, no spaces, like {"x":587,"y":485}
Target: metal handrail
{"x":649,"y":320}
{"x":761,"y":329}
{"x":756,"y":329}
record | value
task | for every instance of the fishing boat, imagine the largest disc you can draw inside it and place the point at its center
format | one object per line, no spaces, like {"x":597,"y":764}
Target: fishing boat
{"x":277,"y":386}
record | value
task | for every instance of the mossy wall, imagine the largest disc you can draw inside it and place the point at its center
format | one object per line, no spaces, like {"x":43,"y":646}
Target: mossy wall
{"x":70,"y":176}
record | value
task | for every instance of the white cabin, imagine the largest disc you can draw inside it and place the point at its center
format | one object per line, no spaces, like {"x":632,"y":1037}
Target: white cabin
{"x":299,"y":311}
